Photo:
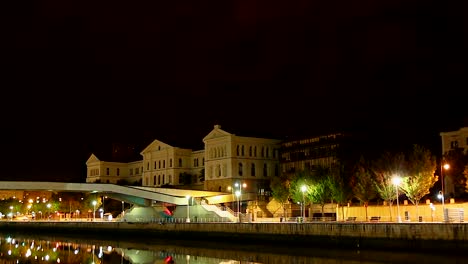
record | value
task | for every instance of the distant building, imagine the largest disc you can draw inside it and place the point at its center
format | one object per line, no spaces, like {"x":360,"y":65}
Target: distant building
{"x":325,"y":150}
{"x":455,"y":140}
{"x":226,"y":159}
{"x":231,"y":159}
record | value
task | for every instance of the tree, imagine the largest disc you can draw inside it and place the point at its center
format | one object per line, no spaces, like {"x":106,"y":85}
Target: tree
{"x":384,"y":169}
{"x":280,"y":192}
{"x":363,"y":188}
{"x":421,"y":177}
{"x":339,"y":190}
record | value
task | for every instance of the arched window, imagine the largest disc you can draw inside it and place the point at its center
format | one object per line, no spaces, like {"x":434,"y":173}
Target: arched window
{"x":240,"y":169}
{"x":237,"y":150}
{"x":252,"y":170}
{"x":242,"y":150}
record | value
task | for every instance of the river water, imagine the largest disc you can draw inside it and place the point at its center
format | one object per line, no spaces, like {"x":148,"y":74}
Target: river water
{"x":43,"y":248}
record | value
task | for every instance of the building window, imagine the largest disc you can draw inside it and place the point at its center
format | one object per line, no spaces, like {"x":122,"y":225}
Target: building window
{"x":170,"y":163}
{"x":242,"y":150}
{"x":240,"y":169}
{"x":163,"y":179}
{"x":263,"y":152}
{"x":250,"y":151}
{"x":159,"y":164}
{"x":237,"y":150}
{"x":107,"y":171}
{"x":118,"y":172}
{"x":147,"y":166}
{"x":180,"y":162}
{"x":155,"y":165}
{"x":154,"y":180}
{"x":170,"y":179}
{"x":131,"y":172}
{"x":255,"y":151}
{"x":276,"y":170}
{"x":164,"y":164}
{"x":265,"y":170}
{"x":252,"y":170}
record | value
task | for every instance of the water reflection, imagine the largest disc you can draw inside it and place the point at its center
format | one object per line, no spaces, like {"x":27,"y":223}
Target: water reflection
{"x":27,"y":248}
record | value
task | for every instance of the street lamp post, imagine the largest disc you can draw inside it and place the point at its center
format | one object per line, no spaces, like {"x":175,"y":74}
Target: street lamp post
{"x":188,"y":208}
{"x":303,"y":189}
{"x":238,"y":193}
{"x":442,"y":192}
{"x":123,"y":212}
{"x":94,"y":210}
{"x":48,"y":207}
{"x":396,"y":181}
{"x":441,"y":197}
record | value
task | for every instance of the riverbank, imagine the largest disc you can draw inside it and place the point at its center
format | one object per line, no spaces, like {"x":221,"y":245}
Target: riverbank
{"x":449,"y":237}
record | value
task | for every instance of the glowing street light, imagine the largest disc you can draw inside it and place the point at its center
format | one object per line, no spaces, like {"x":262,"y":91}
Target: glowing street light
{"x":396,"y":181}
{"x":94,"y":210}
{"x":238,"y":193}
{"x":303,"y":189}
{"x":48,"y":207}
{"x":188,"y":208}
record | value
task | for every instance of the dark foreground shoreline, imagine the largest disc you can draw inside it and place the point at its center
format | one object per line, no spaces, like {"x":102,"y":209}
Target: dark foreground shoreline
{"x":441,"y":237}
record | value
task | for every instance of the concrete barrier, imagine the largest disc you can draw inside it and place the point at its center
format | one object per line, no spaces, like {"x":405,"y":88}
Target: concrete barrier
{"x":403,"y":236}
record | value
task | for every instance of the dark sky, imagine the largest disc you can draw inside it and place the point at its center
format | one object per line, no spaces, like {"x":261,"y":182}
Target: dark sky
{"x":79,"y":75}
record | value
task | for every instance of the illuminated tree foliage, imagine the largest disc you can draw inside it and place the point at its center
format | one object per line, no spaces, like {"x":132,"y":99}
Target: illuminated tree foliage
{"x":384,"y":169}
{"x":420,"y":175}
{"x":363,"y":187}
{"x":280,"y":192}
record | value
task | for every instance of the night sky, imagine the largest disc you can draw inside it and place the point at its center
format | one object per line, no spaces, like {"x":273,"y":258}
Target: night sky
{"x":79,"y":75}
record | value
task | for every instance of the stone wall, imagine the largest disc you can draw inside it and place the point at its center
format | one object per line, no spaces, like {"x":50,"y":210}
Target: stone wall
{"x":404,"y":236}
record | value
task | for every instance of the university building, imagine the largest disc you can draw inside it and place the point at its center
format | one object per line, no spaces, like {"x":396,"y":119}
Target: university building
{"x":226,"y":160}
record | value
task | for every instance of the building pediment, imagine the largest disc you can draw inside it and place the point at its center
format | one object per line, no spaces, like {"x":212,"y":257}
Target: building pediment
{"x":92,"y":159}
{"x":216,"y":133}
{"x":156,"y":145}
